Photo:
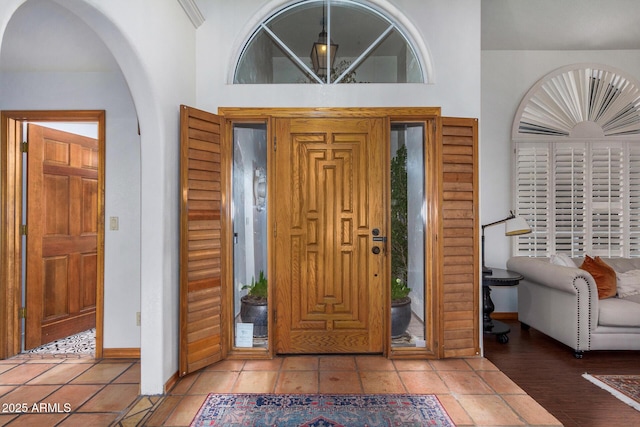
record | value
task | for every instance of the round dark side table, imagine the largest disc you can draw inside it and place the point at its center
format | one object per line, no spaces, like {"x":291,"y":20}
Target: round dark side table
{"x":497,"y":277}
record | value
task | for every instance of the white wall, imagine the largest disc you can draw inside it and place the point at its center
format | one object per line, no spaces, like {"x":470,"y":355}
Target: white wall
{"x":506,"y":78}
{"x":101,"y":91}
{"x":157,"y":63}
{"x":450,"y":30}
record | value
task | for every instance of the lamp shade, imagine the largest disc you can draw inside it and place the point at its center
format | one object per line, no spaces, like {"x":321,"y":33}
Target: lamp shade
{"x":516,"y":226}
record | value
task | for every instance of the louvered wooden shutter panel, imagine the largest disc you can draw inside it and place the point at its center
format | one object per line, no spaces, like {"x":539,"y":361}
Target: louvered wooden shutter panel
{"x":460,"y":284}
{"x":633,"y":162}
{"x":200,"y":246}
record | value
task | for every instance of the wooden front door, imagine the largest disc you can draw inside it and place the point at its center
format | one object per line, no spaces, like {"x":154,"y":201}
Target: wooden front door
{"x":62,"y":220}
{"x":329,"y":200}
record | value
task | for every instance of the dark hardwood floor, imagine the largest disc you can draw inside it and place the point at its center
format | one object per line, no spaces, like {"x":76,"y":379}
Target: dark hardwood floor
{"x":548,"y":372}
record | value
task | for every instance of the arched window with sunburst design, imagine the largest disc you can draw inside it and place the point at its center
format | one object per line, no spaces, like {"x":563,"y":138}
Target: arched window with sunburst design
{"x":577,"y":163}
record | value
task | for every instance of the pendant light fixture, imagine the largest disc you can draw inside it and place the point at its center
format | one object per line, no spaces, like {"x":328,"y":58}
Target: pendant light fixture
{"x":319,"y":52}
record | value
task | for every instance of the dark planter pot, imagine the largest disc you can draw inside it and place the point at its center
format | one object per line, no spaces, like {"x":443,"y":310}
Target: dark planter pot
{"x":400,"y":316}
{"x":254,"y":310}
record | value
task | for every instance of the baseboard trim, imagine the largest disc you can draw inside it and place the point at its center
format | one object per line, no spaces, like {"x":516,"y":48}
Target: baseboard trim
{"x":171,"y":382}
{"x":506,"y":315}
{"x":121,"y":353}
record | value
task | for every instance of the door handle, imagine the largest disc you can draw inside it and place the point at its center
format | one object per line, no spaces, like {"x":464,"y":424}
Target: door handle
{"x":375,"y":250}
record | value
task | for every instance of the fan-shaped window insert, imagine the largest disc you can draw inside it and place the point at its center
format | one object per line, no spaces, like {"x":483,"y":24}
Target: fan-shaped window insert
{"x":328,"y":41}
{"x":581,"y":102}
{"x":577,"y":164}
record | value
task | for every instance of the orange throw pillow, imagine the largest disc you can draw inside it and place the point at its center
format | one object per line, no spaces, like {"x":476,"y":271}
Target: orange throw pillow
{"x":603,"y":274}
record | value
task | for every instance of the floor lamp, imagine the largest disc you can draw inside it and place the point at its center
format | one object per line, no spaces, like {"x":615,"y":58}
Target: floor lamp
{"x":514,"y":225}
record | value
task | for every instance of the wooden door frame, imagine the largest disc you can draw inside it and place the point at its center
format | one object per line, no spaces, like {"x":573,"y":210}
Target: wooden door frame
{"x":11,"y":220}
{"x":433,"y":257}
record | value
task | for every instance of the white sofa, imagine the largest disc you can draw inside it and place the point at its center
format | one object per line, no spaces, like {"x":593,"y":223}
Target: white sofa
{"x":562,"y":302}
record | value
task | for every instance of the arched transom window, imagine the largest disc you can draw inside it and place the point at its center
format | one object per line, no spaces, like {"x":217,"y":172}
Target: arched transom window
{"x":577,"y":164}
{"x":328,"y":42}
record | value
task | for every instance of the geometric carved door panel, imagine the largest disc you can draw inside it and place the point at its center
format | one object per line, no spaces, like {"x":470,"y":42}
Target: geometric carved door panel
{"x":62,"y":218}
{"x":329,"y":198}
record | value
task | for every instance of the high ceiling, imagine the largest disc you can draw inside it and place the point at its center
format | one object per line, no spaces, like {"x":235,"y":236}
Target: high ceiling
{"x":560,"y":24}
{"x":35,"y":39}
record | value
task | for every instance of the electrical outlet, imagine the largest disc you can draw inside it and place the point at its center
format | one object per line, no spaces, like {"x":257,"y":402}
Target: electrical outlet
{"x":114,"y":223}
{"x":138,"y":318}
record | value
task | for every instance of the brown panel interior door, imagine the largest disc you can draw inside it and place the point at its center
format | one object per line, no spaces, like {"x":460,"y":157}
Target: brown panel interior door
{"x":200,"y":240}
{"x":62,"y":221}
{"x":329,"y":199}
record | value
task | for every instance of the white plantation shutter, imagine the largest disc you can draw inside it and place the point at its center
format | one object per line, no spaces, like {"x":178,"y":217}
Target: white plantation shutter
{"x":577,"y":163}
{"x":632,"y":206}
{"x":532,"y":192}
{"x":568,"y":199}
{"x":606,"y":216}
{"x":579,"y":198}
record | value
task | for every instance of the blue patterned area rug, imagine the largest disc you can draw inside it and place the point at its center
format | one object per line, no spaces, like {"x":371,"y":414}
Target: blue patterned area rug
{"x":321,"y":410}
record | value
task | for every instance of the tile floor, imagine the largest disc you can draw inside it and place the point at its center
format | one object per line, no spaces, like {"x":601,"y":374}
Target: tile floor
{"x":89,"y":392}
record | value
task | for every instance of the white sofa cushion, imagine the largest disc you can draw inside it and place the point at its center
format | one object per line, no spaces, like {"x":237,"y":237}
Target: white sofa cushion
{"x":628,"y":283}
{"x":562,"y":259}
{"x":619,"y":312}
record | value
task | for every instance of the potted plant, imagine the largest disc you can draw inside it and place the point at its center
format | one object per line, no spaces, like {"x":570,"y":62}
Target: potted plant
{"x":253,"y":306}
{"x":400,"y":301}
{"x":400,"y":308}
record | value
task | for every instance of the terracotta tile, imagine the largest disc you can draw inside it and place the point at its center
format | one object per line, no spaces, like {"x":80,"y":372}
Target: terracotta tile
{"x":184,"y":384}
{"x":30,"y":420}
{"x":6,"y":419}
{"x":481,"y":364}
{"x":412,"y":365}
{"x":297,"y":382}
{"x":340,"y":382}
{"x":102,"y":373}
{"x":337,"y":363}
{"x":501,"y":383}
{"x":215,"y":382}
{"x":532,"y":412}
{"x":423,"y":382}
{"x":185,"y":411}
{"x":465,"y":382}
{"x":263,"y":365}
{"x":489,"y":410}
{"x":130,"y":376}
{"x":60,"y":374}
{"x":4,"y":389}
{"x":255,"y":382}
{"x":5,"y":367}
{"x":301,"y":363}
{"x":24,"y":373}
{"x":457,"y":413}
{"x":74,"y":395}
{"x":49,"y":360}
{"x":133,"y":420}
{"x":28,"y":394}
{"x":163,"y":411}
{"x":381,"y":382}
{"x":226,"y":365}
{"x":75,"y":420}
{"x":112,"y":398}
{"x":450,"y":365}
{"x":374,"y":363}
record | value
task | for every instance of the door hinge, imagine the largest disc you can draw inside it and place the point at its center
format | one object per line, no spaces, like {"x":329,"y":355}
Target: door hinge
{"x":275,"y":143}
{"x":23,"y":230}
{"x":22,"y":313}
{"x":24,"y":147}
{"x":275,"y":230}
